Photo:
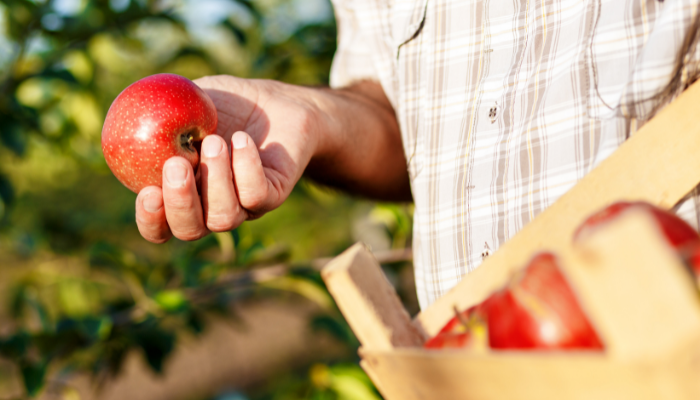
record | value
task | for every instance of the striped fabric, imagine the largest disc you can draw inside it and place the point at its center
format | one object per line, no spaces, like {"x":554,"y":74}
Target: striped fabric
{"x":505,"y":104}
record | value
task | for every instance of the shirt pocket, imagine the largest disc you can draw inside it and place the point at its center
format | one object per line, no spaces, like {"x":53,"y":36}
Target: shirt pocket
{"x":407,"y":18}
{"x":637,"y":57}
{"x":407,"y":21}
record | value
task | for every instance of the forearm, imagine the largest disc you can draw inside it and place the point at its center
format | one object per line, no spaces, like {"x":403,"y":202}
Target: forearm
{"x":359,"y":146}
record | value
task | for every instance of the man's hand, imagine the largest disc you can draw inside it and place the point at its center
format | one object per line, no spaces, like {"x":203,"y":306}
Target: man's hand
{"x":268,"y":133}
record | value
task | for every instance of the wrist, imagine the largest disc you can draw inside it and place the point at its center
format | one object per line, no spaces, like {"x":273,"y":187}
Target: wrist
{"x":325,"y":123}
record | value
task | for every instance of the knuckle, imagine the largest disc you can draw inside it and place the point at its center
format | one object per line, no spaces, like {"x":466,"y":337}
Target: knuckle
{"x":253,"y":200}
{"x":157,"y":240}
{"x":153,"y":233}
{"x":254,"y":216}
{"x":206,"y":81}
{"x":189,"y":235}
{"x":221,"y":222}
{"x":222,"y":225}
{"x":180,"y":203}
{"x":218,"y":172}
{"x":146,"y":225}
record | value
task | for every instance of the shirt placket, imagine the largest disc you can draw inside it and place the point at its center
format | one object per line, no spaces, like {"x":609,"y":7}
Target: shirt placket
{"x":498,"y":42}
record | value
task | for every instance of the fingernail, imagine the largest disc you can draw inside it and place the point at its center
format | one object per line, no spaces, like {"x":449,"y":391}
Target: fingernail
{"x":152,"y":203}
{"x":240,"y":140}
{"x":175,"y":173}
{"x":211,"y":147}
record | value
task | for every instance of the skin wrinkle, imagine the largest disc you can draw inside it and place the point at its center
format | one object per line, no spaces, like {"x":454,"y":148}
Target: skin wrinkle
{"x":219,"y":217}
{"x":224,"y":221}
{"x":190,"y":234}
{"x":180,"y":204}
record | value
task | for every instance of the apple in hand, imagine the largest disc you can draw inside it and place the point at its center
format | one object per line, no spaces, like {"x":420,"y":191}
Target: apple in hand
{"x":152,"y":120}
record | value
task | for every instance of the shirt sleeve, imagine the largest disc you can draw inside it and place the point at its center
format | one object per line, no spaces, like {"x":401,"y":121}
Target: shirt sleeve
{"x":353,"y":60}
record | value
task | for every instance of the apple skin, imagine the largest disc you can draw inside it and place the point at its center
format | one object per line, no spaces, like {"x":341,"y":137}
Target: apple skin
{"x":465,"y":330}
{"x":152,"y":120}
{"x":538,"y":310}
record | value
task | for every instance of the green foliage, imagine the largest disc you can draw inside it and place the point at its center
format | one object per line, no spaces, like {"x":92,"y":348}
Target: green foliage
{"x":79,"y":288}
{"x":340,"y":381}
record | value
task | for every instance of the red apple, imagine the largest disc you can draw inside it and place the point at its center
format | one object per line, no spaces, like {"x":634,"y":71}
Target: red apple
{"x":153,"y":119}
{"x":677,"y":232}
{"x":465,"y":330}
{"x":538,"y":310}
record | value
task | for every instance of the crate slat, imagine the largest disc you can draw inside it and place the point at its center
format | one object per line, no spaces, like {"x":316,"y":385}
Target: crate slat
{"x":369,"y":302}
{"x":634,"y":288}
{"x":453,"y":375}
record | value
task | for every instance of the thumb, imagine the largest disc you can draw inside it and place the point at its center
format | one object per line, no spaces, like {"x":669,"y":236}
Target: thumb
{"x":255,"y":191}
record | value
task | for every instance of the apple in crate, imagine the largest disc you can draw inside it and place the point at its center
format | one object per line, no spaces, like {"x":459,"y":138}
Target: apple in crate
{"x":536,"y":310}
{"x":466,"y":330}
{"x":153,"y":119}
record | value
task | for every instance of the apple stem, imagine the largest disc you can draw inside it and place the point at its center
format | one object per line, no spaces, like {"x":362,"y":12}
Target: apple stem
{"x":461,"y":318}
{"x":186,"y":141}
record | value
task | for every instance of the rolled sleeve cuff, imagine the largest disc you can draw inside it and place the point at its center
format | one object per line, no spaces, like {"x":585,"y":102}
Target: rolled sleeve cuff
{"x":353,"y":60}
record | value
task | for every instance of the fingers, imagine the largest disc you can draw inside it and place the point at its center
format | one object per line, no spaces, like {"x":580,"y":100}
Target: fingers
{"x":222,"y":212}
{"x":183,"y":209}
{"x":227,"y":196}
{"x":255,"y":191}
{"x":150,"y":215}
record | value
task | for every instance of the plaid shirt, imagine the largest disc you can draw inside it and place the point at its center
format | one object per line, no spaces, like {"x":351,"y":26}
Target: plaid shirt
{"x":505,"y":104}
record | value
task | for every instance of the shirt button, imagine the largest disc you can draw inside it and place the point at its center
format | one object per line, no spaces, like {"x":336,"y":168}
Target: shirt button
{"x":493,"y":112}
{"x":486,"y":252}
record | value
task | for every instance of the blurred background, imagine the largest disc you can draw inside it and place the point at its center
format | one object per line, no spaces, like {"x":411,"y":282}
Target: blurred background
{"x":88,"y":309}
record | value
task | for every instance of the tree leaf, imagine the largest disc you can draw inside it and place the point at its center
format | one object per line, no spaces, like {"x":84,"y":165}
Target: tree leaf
{"x":171,"y":300}
{"x":156,"y":344}
{"x":15,"y":346}
{"x":7,"y":193}
{"x":13,"y":135}
{"x":33,"y":374}
{"x":237,"y":31}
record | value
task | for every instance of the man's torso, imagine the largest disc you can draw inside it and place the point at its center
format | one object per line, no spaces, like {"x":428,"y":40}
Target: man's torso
{"x":505,"y":105}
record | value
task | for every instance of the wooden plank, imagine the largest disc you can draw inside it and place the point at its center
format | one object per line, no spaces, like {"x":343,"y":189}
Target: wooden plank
{"x":410,"y":374}
{"x":374,"y":377}
{"x":368,"y":301}
{"x":659,"y":164}
{"x":639,"y":296}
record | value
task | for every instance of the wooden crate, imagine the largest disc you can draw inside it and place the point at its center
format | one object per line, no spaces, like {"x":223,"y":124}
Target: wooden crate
{"x":631,"y":284}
